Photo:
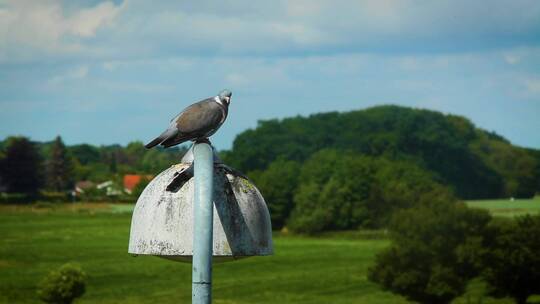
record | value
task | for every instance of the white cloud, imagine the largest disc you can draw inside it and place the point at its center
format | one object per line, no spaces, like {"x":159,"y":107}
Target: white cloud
{"x":32,"y":29}
{"x":140,"y":29}
{"x":86,"y":22}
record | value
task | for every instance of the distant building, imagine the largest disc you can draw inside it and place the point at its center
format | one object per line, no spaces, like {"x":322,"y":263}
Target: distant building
{"x":132,"y":180}
{"x":109,"y":187}
{"x":104,"y":185}
{"x":81,"y":186}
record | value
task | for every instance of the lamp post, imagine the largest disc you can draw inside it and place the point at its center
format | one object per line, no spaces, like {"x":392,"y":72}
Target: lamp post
{"x":203,"y":228}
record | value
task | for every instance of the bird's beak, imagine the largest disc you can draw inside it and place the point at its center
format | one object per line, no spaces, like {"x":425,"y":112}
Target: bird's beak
{"x":228,"y":99}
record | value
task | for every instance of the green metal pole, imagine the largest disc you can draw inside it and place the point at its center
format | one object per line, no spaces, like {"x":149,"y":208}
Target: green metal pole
{"x":202,"y":232}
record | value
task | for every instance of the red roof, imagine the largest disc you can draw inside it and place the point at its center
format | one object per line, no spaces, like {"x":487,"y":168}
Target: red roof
{"x":131,"y":180}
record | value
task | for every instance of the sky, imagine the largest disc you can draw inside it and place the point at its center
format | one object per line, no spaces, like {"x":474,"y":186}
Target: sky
{"x":105,"y":72}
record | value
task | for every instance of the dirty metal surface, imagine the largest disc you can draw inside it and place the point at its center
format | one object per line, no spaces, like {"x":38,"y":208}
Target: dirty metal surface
{"x":162,"y":221}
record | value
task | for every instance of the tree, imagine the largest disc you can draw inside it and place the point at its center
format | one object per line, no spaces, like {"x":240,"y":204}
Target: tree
{"x":59,"y":167}
{"x":512,"y":263}
{"x":22,"y":166}
{"x":431,"y":257}
{"x":2,"y":165}
{"x":141,"y":185}
{"x":333,"y":193}
{"x":343,"y":190}
{"x":135,"y":152}
{"x":278,"y":184}
{"x":85,"y":154}
{"x":112,"y":164}
{"x":403,"y":184}
{"x":518,"y":166}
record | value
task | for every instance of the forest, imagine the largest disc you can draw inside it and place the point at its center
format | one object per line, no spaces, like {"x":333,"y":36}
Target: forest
{"x":473,"y":162}
{"x":327,"y":171}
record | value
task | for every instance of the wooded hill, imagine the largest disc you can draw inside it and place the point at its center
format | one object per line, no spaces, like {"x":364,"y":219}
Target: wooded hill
{"x":473,"y":162}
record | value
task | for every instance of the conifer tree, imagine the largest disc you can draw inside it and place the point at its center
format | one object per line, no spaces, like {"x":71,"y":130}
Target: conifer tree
{"x":21,"y":166}
{"x":59,"y":167}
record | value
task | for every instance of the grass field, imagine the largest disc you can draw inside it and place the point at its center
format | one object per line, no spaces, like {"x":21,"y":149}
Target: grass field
{"x":508,"y":208}
{"x":329,"y":269}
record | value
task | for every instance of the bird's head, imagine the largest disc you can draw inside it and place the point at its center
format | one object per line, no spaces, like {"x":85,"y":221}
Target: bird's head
{"x":225,"y":96}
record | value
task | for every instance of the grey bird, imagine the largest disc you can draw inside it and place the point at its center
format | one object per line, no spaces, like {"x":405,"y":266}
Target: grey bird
{"x":196,"y":122}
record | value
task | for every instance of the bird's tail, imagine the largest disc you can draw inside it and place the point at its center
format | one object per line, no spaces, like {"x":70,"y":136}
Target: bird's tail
{"x":154,"y":142}
{"x":166,"y":136}
{"x":174,"y":141}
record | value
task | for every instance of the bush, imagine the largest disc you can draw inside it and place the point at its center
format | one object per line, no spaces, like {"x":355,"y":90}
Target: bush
{"x":17,"y":198}
{"x":54,"y":196}
{"x":434,"y":252}
{"x":512,"y":263}
{"x":62,"y":286}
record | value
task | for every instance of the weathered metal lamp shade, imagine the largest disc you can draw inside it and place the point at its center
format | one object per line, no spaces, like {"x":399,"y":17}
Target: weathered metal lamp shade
{"x":162,"y":222}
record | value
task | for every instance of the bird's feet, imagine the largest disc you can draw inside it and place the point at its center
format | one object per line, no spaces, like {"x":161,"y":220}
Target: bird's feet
{"x":202,"y":140}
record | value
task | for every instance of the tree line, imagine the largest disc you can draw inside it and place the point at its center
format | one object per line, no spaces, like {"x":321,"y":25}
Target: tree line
{"x":28,"y":167}
{"x":342,"y":190}
{"x":472,"y":162}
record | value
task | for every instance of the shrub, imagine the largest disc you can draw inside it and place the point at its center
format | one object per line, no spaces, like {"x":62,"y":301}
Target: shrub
{"x":512,"y":263}
{"x":433,"y":254}
{"x":62,"y":286}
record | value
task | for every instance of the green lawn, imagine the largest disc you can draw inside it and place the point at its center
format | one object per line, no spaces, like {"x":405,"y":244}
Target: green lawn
{"x":508,"y":208}
{"x":329,"y":269}
{"x":303,"y":270}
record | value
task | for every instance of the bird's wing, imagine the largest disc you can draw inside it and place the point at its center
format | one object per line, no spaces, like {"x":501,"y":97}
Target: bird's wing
{"x":173,"y":120}
{"x":200,"y":117}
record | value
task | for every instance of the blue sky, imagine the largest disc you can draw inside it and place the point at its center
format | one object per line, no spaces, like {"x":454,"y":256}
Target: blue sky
{"x":107,"y":72}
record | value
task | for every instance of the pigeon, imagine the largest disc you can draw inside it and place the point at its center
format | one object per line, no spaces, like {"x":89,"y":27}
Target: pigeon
{"x":196,"y":122}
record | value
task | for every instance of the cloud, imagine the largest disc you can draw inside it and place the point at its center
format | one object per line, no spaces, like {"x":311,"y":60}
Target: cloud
{"x":322,"y":27}
{"x":86,"y":22}
{"x":33,"y":29}
{"x":139,"y":29}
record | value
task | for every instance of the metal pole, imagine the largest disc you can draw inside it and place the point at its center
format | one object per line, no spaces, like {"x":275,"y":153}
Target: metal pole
{"x":202,"y":232}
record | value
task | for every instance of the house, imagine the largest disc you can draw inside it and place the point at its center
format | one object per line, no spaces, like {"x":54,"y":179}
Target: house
{"x":81,"y":186}
{"x":132,"y":180}
{"x":87,"y":186}
{"x":104,"y":185}
{"x":111,"y":190}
